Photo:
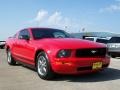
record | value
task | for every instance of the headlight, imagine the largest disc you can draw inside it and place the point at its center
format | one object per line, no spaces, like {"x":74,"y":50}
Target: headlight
{"x":64,"y":53}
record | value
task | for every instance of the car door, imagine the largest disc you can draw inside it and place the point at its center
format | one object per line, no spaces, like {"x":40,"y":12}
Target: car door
{"x":24,"y":48}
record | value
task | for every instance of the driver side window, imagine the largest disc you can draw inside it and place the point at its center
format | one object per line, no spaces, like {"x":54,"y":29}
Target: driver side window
{"x":23,"y":32}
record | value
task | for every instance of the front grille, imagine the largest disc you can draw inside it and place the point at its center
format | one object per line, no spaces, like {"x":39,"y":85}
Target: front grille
{"x":92,"y":52}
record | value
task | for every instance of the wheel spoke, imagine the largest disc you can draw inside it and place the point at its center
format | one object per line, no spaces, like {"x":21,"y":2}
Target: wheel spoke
{"x":43,"y":70}
{"x":42,"y":65}
{"x":9,"y":56}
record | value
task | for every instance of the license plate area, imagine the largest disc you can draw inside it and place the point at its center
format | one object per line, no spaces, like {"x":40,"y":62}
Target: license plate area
{"x":97,"y":65}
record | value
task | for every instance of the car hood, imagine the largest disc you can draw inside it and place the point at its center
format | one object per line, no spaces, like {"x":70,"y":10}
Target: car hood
{"x":70,"y":43}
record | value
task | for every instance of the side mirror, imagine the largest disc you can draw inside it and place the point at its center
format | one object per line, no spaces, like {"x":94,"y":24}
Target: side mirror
{"x":26,"y":37}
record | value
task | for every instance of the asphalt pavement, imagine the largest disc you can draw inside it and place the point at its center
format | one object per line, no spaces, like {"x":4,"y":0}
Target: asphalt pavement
{"x":22,"y":78}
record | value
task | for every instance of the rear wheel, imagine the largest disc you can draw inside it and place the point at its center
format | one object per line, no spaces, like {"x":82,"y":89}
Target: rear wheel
{"x":10,"y":59}
{"x":113,"y":56}
{"x":2,"y":47}
{"x":43,"y":66}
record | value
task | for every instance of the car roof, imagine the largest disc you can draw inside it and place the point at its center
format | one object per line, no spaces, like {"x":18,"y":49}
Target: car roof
{"x":43,"y":28}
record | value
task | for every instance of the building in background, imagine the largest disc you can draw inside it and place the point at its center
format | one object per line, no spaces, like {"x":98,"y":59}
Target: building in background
{"x":82,"y":35}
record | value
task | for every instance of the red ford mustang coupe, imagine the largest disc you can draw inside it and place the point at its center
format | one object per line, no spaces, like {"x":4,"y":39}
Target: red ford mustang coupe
{"x":52,"y":51}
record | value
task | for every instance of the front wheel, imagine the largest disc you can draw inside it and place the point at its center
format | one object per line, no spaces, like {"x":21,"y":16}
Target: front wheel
{"x":113,"y":56}
{"x":43,"y":66}
{"x":10,"y":59}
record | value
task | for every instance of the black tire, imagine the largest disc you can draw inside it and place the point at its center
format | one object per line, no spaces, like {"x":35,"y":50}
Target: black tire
{"x":43,"y":67}
{"x":1,"y":47}
{"x":10,"y":59}
{"x":113,"y":56}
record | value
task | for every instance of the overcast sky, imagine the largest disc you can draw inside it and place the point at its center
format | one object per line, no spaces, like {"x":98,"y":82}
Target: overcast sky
{"x":72,"y":15}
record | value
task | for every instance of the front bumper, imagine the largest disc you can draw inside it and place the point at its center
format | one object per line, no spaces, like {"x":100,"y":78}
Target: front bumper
{"x":78,"y":65}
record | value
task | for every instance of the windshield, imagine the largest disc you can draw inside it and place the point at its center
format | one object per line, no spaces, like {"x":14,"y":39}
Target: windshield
{"x":91,"y":39}
{"x":49,"y":33}
{"x":114,"y":40}
{"x":102,"y":41}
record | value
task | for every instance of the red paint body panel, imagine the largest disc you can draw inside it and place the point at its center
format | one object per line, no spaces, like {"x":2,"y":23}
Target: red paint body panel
{"x":25,"y":51}
{"x":70,"y":66}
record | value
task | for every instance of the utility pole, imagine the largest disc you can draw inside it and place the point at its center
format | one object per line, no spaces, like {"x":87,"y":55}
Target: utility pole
{"x":83,"y":29}
{"x":66,"y":28}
